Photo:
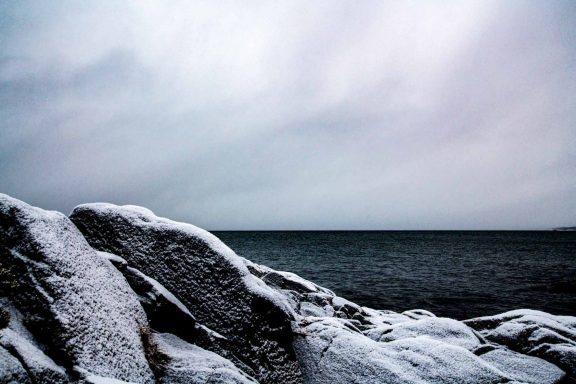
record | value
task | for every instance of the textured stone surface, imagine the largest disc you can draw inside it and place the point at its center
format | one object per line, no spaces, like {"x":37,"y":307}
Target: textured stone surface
{"x":535,"y":333}
{"x":205,"y":275}
{"x":73,"y":301}
{"x":39,"y":367}
{"x":224,"y":319}
{"x":190,"y":364}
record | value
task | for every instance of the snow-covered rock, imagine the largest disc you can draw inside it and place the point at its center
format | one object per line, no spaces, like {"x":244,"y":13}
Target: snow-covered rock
{"x":441,"y":329}
{"x":338,"y":341}
{"x":39,"y":367}
{"x":74,"y":302}
{"x":190,"y":364}
{"x":535,"y":333}
{"x":167,"y":314}
{"x":329,"y":352}
{"x":527,"y":369}
{"x":11,"y":371}
{"x":81,"y":305}
{"x":207,"y":277}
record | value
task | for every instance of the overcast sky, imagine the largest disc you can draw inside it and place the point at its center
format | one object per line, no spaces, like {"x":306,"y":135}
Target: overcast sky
{"x":294,"y":114}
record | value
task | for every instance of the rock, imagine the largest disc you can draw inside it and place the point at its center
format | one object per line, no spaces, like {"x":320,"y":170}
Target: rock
{"x":441,"y":329}
{"x":287,"y":281}
{"x":207,"y":277}
{"x":167,"y":314}
{"x":190,"y":364}
{"x":11,"y":371}
{"x":418,"y":314}
{"x":535,"y":333}
{"x":74,"y":314}
{"x":332,"y":353}
{"x":414,"y":346}
{"x":39,"y":367}
{"x":93,"y":379}
{"x":75,"y":303}
{"x":523,"y":368}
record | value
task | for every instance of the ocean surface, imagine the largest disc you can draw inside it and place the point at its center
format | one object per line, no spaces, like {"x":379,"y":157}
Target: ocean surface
{"x":451,"y":273}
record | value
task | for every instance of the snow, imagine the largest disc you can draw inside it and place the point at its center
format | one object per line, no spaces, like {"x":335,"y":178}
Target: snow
{"x":310,"y":309}
{"x":159,"y":290}
{"x":418,"y":314}
{"x":115,"y":259}
{"x":95,"y":313}
{"x":267,"y":326}
{"x":331,"y":353}
{"x":93,"y":379}
{"x":552,"y":338}
{"x":442,"y":329}
{"x":206,"y":276}
{"x":16,"y":320}
{"x":11,"y":371}
{"x":523,"y":368}
{"x":192,"y":364}
{"x":338,"y":302}
{"x":39,"y":366}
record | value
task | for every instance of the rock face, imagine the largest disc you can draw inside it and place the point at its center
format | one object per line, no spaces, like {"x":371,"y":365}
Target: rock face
{"x":73,"y":300}
{"x":535,"y":333}
{"x":132,"y":297}
{"x":205,"y":275}
{"x":191,"y":364}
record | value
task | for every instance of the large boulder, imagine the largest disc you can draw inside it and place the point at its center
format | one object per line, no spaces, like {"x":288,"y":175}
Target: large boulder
{"x":39,"y":368}
{"x":190,"y":364}
{"x":535,"y":333}
{"x":330,"y":352}
{"x":442,"y":329}
{"x":75,"y":303}
{"x":207,"y":277}
{"x":338,"y":341}
{"x":11,"y":370}
{"x":167,"y":314}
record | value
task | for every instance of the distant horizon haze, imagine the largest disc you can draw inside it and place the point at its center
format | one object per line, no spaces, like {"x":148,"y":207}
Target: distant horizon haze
{"x":295,"y":115}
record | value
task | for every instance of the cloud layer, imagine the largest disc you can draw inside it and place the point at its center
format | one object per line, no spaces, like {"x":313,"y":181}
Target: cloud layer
{"x":295,"y":114}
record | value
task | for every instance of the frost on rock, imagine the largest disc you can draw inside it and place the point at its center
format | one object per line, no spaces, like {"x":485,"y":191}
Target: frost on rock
{"x":441,"y":329}
{"x":536,"y":333}
{"x":93,"y":379}
{"x":338,"y":341}
{"x":528,"y":369}
{"x":190,"y":364}
{"x":207,"y":277}
{"x":39,"y":367}
{"x":73,"y":301}
{"x":82,"y":312}
{"x":332,"y":353}
{"x":11,"y":371}
{"x":167,"y":314}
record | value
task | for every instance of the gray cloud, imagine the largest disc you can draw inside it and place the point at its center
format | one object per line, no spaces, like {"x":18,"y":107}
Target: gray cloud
{"x":292,"y":114}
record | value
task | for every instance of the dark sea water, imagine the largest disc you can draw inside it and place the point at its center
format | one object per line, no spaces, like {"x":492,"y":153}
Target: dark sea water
{"x":454,"y":274}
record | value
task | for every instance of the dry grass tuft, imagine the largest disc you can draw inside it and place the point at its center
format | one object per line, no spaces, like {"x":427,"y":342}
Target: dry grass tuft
{"x":157,"y":359}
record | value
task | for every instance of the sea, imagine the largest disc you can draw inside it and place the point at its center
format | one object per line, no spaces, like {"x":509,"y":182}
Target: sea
{"x":457,"y":274}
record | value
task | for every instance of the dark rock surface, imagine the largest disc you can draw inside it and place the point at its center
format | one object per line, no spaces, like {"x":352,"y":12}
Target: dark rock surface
{"x":206,"y":276}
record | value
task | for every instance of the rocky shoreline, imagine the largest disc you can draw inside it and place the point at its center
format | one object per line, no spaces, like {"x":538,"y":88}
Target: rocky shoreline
{"x":115,"y":294}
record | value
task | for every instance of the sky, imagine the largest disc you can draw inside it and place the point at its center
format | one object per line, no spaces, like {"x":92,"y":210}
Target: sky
{"x":293,"y":114}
